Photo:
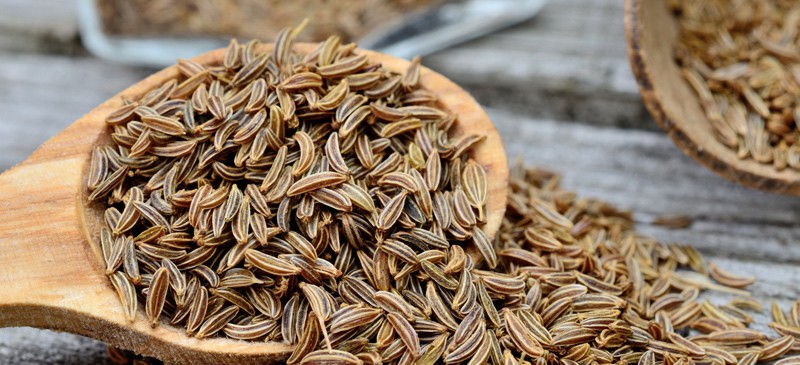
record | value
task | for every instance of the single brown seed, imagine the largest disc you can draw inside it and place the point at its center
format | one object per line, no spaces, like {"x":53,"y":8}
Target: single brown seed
{"x":127,"y":294}
{"x":521,"y":336}
{"x":157,"y":295}
{"x":729,"y":279}
{"x":216,"y":321}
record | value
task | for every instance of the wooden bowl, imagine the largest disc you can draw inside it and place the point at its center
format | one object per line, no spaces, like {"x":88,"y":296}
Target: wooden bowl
{"x":51,"y":267}
{"x":651,"y":31}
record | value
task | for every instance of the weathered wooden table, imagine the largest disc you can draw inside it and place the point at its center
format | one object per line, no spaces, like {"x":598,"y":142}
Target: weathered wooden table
{"x":558,"y":87}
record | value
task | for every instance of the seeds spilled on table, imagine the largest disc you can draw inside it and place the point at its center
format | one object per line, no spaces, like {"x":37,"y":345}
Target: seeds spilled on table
{"x":743,"y":60}
{"x":319,"y":200}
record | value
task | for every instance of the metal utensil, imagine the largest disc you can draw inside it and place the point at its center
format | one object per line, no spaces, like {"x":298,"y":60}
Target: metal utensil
{"x":450,"y":24}
{"x":424,"y":33}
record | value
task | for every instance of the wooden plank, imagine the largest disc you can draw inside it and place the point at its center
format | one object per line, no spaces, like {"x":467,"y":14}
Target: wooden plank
{"x":42,"y":94}
{"x":744,"y":231}
{"x":38,"y":26}
{"x":568,"y":63}
{"x":639,"y":170}
{"x":30,"y":346}
{"x":645,"y":172}
{"x":41,"y":16}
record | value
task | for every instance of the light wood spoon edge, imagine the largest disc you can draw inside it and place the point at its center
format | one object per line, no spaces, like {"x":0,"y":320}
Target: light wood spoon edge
{"x":651,"y":32}
{"x":51,"y":273}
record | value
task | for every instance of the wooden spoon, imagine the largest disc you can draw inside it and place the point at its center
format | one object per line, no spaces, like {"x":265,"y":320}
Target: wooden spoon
{"x":651,"y":31}
{"x":51,"y":271}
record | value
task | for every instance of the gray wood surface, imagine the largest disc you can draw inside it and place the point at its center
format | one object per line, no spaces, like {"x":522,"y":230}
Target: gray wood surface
{"x":743,"y":230}
{"x":557,"y":87}
{"x":568,"y":63}
{"x":39,"y":26}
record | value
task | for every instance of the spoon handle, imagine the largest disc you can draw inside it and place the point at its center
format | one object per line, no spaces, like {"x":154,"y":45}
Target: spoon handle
{"x":44,"y":257}
{"x":51,"y":277}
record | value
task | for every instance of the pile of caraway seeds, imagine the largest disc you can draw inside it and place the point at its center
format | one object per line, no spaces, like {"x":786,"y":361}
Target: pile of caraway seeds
{"x":320,"y":200}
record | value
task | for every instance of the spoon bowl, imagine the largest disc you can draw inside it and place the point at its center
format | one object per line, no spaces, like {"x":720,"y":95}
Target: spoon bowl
{"x":51,"y":266}
{"x":651,"y":32}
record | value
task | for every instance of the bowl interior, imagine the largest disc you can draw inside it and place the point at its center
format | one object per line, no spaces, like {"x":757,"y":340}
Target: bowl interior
{"x":651,"y":31}
{"x":471,"y":119}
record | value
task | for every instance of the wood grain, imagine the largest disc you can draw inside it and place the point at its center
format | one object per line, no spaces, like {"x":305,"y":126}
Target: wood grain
{"x":644,"y":172}
{"x":651,"y":30}
{"x":49,"y":247}
{"x":40,"y":95}
{"x":37,"y":26}
{"x":745,"y":231}
{"x":569,"y":66}
{"x":568,"y":63}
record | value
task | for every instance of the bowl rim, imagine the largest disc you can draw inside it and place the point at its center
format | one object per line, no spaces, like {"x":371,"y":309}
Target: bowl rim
{"x":747,"y":172}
